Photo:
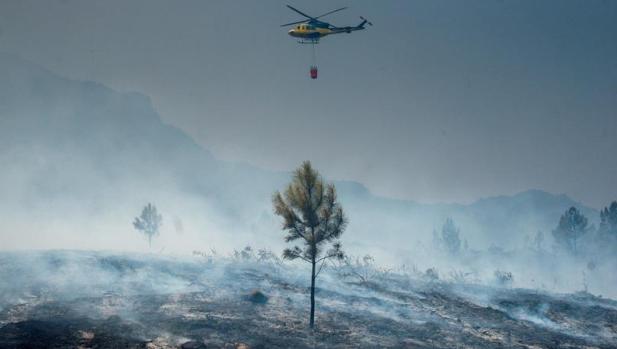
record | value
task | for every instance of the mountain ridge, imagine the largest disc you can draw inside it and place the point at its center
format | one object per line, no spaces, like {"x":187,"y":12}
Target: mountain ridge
{"x":82,"y":139}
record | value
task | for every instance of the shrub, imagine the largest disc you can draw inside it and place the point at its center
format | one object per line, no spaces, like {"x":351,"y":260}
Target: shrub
{"x":504,"y":278}
{"x":431,"y":275}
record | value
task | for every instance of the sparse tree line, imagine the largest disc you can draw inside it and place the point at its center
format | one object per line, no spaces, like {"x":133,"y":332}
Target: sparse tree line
{"x":575,"y":235}
{"x":314,"y":220}
{"x":572,"y":234}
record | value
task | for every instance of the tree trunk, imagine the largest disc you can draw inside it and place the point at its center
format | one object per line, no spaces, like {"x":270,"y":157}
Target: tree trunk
{"x":312,"y":321}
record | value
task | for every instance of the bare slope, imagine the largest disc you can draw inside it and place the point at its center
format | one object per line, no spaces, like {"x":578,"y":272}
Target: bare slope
{"x":93,"y":299}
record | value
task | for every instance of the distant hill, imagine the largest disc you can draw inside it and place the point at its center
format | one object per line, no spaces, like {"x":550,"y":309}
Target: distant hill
{"x":78,"y":148}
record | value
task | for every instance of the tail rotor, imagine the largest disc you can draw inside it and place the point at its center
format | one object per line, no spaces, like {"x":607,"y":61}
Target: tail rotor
{"x":366,"y":21}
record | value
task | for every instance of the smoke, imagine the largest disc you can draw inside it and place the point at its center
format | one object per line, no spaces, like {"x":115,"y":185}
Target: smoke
{"x":84,"y":159}
{"x":161,"y":296}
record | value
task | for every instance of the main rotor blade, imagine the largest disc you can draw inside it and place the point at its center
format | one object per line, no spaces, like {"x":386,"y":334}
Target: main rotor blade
{"x":300,"y":12}
{"x":331,"y":12}
{"x":292,"y":23}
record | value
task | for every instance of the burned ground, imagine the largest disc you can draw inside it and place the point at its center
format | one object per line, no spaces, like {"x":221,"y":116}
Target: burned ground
{"x":98,"y":300}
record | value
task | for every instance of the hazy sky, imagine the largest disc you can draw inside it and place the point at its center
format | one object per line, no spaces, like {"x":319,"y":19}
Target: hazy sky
{"x":439,"y":101}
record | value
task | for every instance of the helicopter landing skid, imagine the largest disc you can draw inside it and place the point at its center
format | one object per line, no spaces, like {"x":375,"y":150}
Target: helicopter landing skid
{"x":309,"y":41}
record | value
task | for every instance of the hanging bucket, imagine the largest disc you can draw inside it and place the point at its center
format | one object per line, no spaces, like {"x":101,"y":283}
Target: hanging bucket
{"x":313,"y":72}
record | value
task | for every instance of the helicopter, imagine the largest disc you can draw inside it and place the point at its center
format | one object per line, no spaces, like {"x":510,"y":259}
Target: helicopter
{"x":312,"y":29}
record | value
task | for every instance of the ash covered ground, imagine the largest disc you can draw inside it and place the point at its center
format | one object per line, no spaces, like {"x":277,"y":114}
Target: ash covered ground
{"x":80,"y":299}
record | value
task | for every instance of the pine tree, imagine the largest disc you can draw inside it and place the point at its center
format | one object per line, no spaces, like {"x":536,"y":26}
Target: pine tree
{"x":311,"y":214}
{"x":572,"y":226}
{"x":149,"y":222}
{"x":608,"y":220}
{"x":450,"y":237}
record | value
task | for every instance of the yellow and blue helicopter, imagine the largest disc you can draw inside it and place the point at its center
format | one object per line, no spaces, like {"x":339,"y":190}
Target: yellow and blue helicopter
{"x":310,"y":30}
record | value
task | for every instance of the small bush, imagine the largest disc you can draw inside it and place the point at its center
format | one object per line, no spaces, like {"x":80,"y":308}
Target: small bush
{"x":362,"y":269}
{"x":431,"y":275}
{"x":504,"y":278}
{"x":257,"y":297}
{"x":208,"y":256}
{"x":244,"y":255}
{"x":460,"y":276}
{"x":267,"y":256}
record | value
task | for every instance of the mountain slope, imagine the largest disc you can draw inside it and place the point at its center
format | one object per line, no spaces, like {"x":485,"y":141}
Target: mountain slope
{"x":81,"y":149}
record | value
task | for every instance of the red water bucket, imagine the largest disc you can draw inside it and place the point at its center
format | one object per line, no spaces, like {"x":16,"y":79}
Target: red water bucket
{"x":313,"y":72}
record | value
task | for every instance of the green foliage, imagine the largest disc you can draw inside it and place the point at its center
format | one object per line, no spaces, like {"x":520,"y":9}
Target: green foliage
{"x":311,"y":213}
{"x":572,"y":226}
{"x":149,"y":222}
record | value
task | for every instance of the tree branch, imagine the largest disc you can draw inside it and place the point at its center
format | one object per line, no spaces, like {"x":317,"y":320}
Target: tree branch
{"x":320,"y":267}
{"x":326,"y":257}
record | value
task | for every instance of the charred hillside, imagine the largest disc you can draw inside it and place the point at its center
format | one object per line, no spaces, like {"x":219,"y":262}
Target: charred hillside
{"x":93,"y":299}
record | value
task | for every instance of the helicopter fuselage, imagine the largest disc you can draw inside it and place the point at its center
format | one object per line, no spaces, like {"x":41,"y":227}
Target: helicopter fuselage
{"x":313,"y":32}
{"x":305,"y":31}
{"x":312,"y":29}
